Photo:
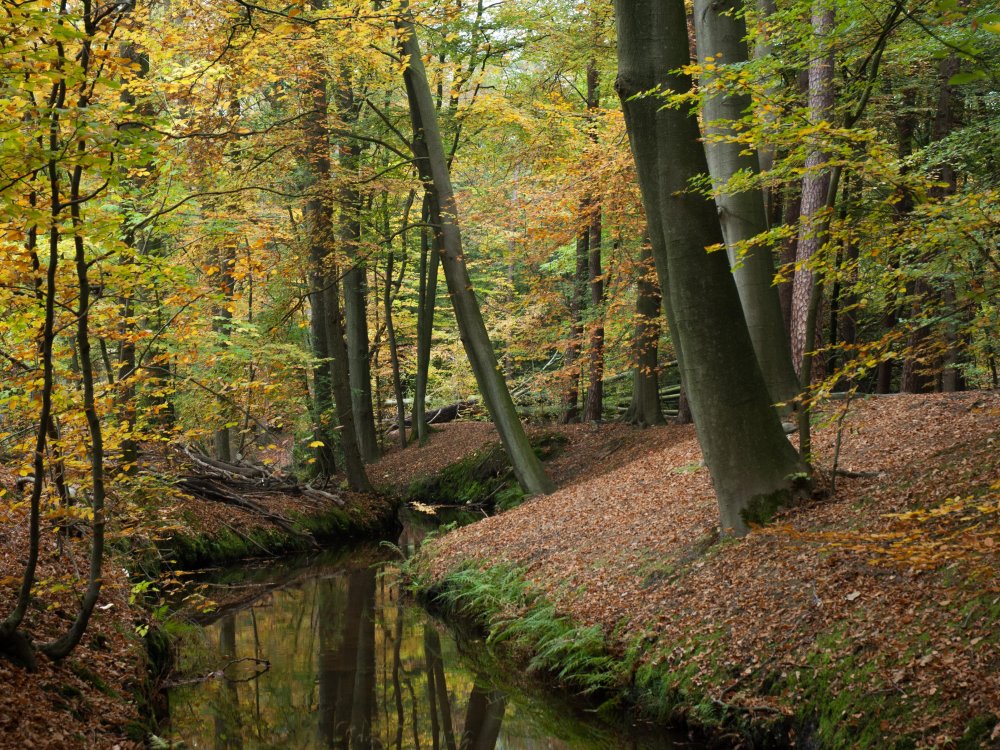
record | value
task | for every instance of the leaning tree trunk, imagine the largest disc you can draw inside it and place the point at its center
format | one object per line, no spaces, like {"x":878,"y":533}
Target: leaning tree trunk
{"x":815,"y":184}
{"x":721,"y":32}
{"x":753,"y":466}
{"x":527,"y":467}
{"x":644,"y":408}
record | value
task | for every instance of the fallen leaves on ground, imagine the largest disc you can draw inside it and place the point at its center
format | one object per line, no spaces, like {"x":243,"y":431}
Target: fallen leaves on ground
{"x":623,"y":545}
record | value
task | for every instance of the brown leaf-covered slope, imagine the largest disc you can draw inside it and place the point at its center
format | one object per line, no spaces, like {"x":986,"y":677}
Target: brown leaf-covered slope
{"x":630,"y":549}
{"x":84,"y":700}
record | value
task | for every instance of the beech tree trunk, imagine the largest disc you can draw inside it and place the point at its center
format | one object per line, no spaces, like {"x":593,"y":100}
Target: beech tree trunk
{"x":527,"y":467}
{"x":644,"y":408}
{"x":594,"y":406}
{"x":327,"y":324}
{"x":720,"y":32}
{"x":815,"y":184}
{"x":355,"y":278}
{"x":753,"y":466}
{"x":578,"y":304}
{"x":222,"y":321}
{"x":390,"y":332}
{"x":430,"y":255}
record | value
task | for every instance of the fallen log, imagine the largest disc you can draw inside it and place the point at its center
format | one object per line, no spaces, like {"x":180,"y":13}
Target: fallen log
{"x":448,"y":413}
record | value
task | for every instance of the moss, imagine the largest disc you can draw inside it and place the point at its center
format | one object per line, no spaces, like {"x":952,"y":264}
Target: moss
{"x":193,"y":550}
{"x":978,"y":732}
{"x":762,"y":509}
{"x":92,"y":678}
{"x":484,"y":476}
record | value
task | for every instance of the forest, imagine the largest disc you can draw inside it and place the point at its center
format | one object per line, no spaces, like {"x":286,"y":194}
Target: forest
{"x":688,"y":285}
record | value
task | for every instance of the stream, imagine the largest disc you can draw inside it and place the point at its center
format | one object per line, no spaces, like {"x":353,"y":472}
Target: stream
{"x":326,"y":651}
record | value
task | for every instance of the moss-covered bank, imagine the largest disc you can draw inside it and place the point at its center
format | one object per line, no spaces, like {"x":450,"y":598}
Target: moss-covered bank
{"x":193,"y":547}
{"x":484,"y":477}
{"x":640,"y":676}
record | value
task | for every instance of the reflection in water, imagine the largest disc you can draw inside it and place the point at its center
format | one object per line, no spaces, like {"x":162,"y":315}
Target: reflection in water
{"x":350,"y":664}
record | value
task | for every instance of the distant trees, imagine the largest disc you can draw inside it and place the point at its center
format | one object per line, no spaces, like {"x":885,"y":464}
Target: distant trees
{"x":226,"y":228}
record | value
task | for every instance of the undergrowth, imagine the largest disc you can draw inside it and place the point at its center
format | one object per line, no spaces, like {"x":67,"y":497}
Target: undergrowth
{"x":517,"y":618}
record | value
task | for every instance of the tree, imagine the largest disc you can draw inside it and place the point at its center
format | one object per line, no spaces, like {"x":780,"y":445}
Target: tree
{"x":644,"y":407}
{"x":720,"y":32}
{"x":752,"y":464}
{"x":328,"y":327}
{"x":526,"y":464}
{"x":816,"y":183}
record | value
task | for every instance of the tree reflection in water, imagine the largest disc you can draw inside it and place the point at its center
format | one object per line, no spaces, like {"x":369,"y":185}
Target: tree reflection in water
{"x":353,"y":666}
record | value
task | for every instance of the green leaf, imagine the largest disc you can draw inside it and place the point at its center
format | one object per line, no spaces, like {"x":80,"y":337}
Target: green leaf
{"x":967,"y":77}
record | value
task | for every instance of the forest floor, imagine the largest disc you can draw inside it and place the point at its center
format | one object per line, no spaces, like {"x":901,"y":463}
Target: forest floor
{"x":866,"y":617}
{"x":91,"y":698}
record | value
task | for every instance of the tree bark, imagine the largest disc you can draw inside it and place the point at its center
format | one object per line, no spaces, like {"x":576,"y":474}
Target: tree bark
{"x":355,"y":280}
{"x":815,"y":185}
{"x":752,"y":464}
{"x":721,"y":32}
{"x":594,"y":406}
{"x":390,"y":332}
{"x":527,"y":467}
{"x":430,"y":255}
{"x":578,"y":305}
{"x":327,"y":322}
{"x":644,"y":408}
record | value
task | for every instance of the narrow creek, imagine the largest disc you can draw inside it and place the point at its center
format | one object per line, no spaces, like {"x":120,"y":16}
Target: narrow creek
{"x":327,"y":651}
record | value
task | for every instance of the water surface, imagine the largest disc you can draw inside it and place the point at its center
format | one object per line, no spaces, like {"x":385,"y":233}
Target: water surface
{"x":326,"y":652}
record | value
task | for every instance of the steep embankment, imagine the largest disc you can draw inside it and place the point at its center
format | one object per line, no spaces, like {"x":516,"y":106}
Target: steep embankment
{"x":866,"y":618}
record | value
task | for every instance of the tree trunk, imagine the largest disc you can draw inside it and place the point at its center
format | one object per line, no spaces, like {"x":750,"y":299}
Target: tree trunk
{"x":752,"y":464}
{"x":355,"y":280}
{"x":578,"y":305}
{"x":594,"y":406}
{"x":222,"y":319}
{"x":63,"y":645}
{"x":644,"y":408}
{"x":390,"y":332}
{"x":815,"y":184}
{"x":328,"y":330}
{"x":721,"y":32}
{"x":430,"y":255}
{"x":472,"y":329}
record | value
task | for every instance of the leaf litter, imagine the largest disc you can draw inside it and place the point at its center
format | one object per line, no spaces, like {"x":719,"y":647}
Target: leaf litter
{"x":629,"y":542}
